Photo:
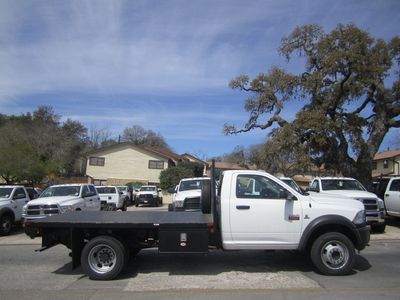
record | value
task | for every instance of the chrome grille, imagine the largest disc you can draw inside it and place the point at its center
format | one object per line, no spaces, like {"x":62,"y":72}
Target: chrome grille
{"x":42,"y":210}
{"x":370,"y":204}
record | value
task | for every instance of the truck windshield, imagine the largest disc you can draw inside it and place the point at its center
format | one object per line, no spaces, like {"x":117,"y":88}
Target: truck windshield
{"x":5,"y":192}
{"x":147,"y":188}
{"x":106,"y":190}
{"x":52,"y":191}
{"x":341,"y":184}
{"x":188,"y":185}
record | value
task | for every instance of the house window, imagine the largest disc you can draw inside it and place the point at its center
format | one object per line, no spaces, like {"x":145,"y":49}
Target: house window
{"x":385,"y":164}
{"x":374,"y":165}
{"x":156,"y":164}
{"x":96,"y":161}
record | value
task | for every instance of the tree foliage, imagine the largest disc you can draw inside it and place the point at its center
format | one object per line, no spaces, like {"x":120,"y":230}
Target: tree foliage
{"x":348,"y":103}
{"x":141,"y":136}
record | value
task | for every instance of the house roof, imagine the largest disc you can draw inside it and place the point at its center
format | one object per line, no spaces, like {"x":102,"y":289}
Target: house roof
{"x":192,"y":157}
{"x":387,"y":154}
{"x":156,"y":150}
{"x":231,"y":166}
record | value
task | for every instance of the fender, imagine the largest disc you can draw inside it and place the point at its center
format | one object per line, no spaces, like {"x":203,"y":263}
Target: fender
{"x":4,"y":210}
{"x":331,"y":221}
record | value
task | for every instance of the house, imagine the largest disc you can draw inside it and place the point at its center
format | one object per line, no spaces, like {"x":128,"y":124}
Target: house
{"x":126,"y":162}
{"x":386,"y":164}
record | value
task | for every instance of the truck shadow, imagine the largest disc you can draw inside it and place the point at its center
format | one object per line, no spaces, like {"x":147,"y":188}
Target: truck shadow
{"x":218,"y":262}
{"x":392,"y":221}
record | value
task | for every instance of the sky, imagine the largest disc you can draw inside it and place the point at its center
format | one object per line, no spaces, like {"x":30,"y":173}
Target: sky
{"x":162,"y":64}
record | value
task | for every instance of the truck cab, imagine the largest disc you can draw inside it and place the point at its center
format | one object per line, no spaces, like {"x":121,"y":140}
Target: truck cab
{"x":272,"y":215}
{"x":392,"y":197}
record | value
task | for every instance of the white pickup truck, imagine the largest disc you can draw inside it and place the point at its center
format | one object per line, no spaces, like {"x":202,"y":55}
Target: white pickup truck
{"x":12,"y":200}
{"x":111,"y":198}
{"x":392,"y":197}
{"x":186,"y":195}
{"x":350,"y":188}
{"x":62,"y":198}
{"x":274,"y":216}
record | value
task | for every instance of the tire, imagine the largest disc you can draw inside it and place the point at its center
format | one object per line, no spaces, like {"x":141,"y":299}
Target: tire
{"x":137,"y":203}
{"x":124,"y":206}
{"x":6,"y":222}
{"x":170,"y":207}
{"x":205,"y":197}
{"x":333,"y":254}
{"x":103,"y":258}
{"x":378,"y":228}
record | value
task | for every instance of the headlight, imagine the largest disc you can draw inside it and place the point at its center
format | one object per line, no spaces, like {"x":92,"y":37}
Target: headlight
{"x":25,"y":210}
{"x":178,"y":203}
{"x":359,"y":218}
{"x":65,"y":208}
{"x":381,"y":204}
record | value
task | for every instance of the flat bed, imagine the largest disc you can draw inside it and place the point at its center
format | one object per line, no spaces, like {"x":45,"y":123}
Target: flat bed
{"x":126,"y":220}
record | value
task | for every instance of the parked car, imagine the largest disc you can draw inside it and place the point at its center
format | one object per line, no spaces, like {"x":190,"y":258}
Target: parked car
{"x":351,"y":188}
{"x":111,"y":198}
{"x":12,"y":200}
{"x":149,"y":194}
{"x":124,"y":189}
{"x":186,"y":195}
{"x":392,"y":197}
{"x":59,"y":199}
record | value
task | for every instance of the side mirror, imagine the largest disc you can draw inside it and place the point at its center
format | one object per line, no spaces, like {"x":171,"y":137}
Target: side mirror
{"x":159,"y":190}
{"x":171,"y":190}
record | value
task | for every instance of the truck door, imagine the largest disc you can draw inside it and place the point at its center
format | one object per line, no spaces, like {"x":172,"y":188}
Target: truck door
{"x":262,"y":217}
{"x":20,"y":198}
{"x":392,"y":197}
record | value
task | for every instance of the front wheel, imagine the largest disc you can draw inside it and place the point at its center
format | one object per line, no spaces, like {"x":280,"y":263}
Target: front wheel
{"x":5,"y":225}
{"x":103,"y":258}
{"x":333,"y":254}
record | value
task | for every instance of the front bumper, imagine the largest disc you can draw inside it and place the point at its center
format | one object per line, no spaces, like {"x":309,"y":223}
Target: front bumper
{"x":147,"y":200}
{"x":375,"y":217}
{"x":363,"y":237}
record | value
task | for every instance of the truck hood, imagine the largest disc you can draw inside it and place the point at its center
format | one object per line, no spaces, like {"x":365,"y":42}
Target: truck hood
{"x":331,"y":199}
{"x":351,"y":194}
{"x":147,"y":193}
{"x":61,"y":200}
{"x":187,"y":194}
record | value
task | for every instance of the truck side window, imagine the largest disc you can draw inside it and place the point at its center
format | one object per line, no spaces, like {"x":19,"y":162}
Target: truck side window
{"x":395,"y":186}
{"x":315,"y":185}
{"x":256,"y":186}
{"x":19,"y":194}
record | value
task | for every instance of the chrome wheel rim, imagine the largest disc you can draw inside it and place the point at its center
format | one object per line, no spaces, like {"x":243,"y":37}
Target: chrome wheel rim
{"x":334,"y":255}
{"x":102,"y":258}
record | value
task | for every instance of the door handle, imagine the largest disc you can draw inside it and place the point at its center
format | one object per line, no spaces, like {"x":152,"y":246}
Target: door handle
{"x":242,"y":207}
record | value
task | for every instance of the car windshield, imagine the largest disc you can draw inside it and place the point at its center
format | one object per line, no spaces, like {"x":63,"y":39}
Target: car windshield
{"x":188,"y":185}
{"x":341,"y":184}
{"x":106,"y":190}
{"x":5,"y":192}
{"x":147,"y":188}
{"x":71,"y":190}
